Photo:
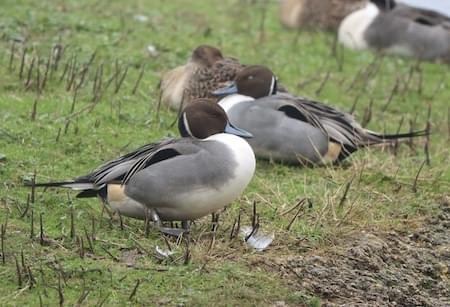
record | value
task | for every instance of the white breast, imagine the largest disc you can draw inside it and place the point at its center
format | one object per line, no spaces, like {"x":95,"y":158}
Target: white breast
{"x":352,"y":28}
{"x":245,"y":158}
{"x":229,"y":101}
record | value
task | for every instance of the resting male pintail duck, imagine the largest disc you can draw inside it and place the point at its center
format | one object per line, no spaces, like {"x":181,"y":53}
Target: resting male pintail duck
{"x":205,"y":71}
{"x":397,"y":29}
{"x":176,"y":179}
{"x":292,"y":129}
{"x":316,"y":14}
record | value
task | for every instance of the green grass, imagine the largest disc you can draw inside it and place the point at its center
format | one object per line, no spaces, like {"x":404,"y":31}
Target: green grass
{"x":61,"y":143}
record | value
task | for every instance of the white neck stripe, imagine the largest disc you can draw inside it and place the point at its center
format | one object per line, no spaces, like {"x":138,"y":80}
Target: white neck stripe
{"x":272,"y":85}
{"x":186,"y":125}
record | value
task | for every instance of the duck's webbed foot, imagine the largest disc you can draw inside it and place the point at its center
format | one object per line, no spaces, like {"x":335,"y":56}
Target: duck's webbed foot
{"x":176,"y":232}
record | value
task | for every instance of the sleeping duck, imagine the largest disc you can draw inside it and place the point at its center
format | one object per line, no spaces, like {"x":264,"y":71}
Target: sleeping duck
{"x":394,"y":28}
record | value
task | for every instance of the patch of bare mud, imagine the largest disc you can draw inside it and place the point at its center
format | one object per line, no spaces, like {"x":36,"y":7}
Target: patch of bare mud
{"x":380,"y":269}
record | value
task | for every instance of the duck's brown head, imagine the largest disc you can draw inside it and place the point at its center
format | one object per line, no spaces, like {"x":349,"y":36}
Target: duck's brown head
{"x":255,"y":81}
{"x":206,"y":55}
{"x":204,"y":118}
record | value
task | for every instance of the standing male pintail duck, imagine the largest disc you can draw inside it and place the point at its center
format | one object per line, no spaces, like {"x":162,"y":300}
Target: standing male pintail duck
{"x":205,"y":71}
{"x":397,"y":29}
{"x":176,"y":179}
{"x":292,"y":129}
{"x":316,"y":14}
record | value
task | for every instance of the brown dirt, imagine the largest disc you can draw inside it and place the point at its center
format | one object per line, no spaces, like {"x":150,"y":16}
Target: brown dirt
{"x":379,"y":269}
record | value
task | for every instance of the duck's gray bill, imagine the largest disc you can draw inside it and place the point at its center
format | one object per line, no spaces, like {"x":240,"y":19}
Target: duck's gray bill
{"x":237,"y":131}
{"x":224,"y":91}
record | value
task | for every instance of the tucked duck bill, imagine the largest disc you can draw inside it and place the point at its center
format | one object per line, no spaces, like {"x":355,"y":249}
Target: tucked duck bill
{"x":229,"y":128}
{"x":227,"y":90}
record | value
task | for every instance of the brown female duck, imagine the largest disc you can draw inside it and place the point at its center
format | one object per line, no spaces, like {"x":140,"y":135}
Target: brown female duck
{"x":206,"y":71}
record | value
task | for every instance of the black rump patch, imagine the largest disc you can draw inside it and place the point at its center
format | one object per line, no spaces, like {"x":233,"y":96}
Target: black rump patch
{"x":88,"y":193}
{"x":93,"y":193}
{"x":346,"y":151}
{"x":293,"y":112}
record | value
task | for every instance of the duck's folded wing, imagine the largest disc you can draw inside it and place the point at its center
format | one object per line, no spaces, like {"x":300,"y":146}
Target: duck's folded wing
{"x":176,"y":147}
{"x":422,"y":16}
{"x":289,"y":105}
{"x":339,"y":126}
{"x":115,"y":170}
{"x":121,"y":169}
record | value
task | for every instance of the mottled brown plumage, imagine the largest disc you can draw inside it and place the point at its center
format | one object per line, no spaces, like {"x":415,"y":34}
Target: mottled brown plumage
{"x":206,"y":71}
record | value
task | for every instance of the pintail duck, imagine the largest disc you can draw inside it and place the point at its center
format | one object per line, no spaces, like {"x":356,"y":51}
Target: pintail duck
{"x":176,"y":179}
{"x":397,"y":29}
{"x":316,"y":14}
{"x":205,"y":71}
{"x":293,"y":129}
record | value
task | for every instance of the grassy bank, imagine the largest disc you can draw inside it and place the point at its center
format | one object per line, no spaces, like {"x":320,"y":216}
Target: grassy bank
{"x":100,"y":100}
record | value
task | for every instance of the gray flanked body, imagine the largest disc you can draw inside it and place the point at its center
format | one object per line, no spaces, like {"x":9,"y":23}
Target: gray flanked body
{"x":175,"y":187}
{"x":277,"y":136}
{"x":397,"y":29}
{"x":399,"y":34}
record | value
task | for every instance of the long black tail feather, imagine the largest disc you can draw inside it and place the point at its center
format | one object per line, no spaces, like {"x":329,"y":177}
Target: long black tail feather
{"x":77,"y":185}
{"x":375,"y":138}
{"x":62,"y":184}
{"x":85,"y":188}
{"x":413,"y":134}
